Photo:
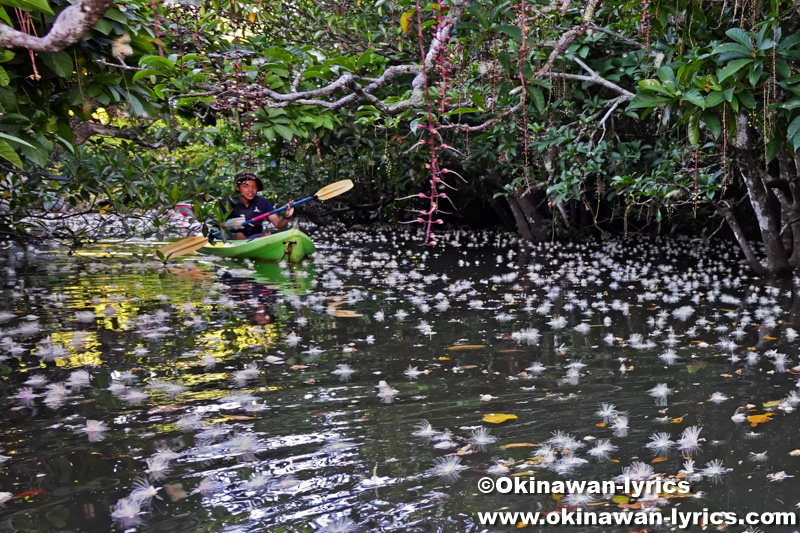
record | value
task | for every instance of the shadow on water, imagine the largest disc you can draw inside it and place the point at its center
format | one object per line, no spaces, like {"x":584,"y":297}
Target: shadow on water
{"x":265,"y":397}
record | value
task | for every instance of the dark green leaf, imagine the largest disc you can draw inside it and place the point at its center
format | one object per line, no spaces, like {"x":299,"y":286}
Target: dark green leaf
{"x":538,"y":98}
{"x":794,"y":128}
{"x":648,"y":101}
{"x":284,"y":131}
{"x":512,"y":31}
{"x":732,"y":47}
{"x":116,"y":15}
{"x":728,"y":94}
{"x":732,"y":68}
{"x":693,"y":130}
{"x":665,"y":74}
{"x":694,"y":97}
{"x":712,"y":123}
{"x":741,"y":37}
{"x":40,"y":6}
{"x":4,"y":16}
{"x":60,"y":63}
{"x":104,"y":26}
{"x":146,"y":74}
{"x":755,"y":74}
{"x":714,"y":98}
{"x":461,"y":110}
{"x":793,"y":103}
{"x":158,"y":62}
{"x":7,"y":153}
{"x":747,"y":99}
{"x":773,"y":147}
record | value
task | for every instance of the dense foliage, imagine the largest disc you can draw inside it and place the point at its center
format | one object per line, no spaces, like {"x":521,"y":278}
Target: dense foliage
{"x":561,"y":118}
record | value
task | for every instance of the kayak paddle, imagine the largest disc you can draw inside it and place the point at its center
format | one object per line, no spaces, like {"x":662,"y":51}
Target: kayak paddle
{"x":191,"y":244}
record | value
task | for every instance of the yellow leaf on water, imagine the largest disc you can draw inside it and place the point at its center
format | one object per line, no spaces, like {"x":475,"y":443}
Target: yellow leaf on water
{"x":466,"y":347}
{"x":773,"y":403}
{"x":601,"y":424}
{"x":229,"y":418}
{"x":770,"y":338}
{"x":498,"y":418}
{"x":346,"y":313}
{"x":519,"y":445}
{"x":678,"y":420}
{"x":444,"y":359}
{"x":619,"y":498}
{"x":658,"y":459}
{"x":760,"y":419}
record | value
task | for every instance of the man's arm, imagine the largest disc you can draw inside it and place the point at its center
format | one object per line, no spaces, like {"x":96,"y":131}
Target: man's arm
{"x":279,"y":221}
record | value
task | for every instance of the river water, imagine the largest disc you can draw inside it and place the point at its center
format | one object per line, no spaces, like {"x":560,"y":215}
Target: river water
{"x":231,"y":396}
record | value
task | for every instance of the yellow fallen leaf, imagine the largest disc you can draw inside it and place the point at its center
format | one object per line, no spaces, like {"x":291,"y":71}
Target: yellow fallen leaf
{"x":346,"y":313}
{"x":557,"y":496}
{"x":770,"y":338}
{"x":498,"y":418}
{"x":773,"y":403}
{"x":519,"y":445}
{"x":466,"y":347}
{"x":601,"y":424}
{"x":229,"y":418}
{"x":678,"y":420}
{"x":444,"y":359}
{"x":658,"y":459}
{"x":619,"y":498}
{"x":760,"y":419}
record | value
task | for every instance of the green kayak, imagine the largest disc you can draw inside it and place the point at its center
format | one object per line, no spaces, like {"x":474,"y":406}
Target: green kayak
{"x":292,"y":245}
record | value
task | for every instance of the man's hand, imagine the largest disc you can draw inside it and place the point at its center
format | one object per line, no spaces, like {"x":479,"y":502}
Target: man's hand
{"x":289,"y":211}
{"x":235,"y":223}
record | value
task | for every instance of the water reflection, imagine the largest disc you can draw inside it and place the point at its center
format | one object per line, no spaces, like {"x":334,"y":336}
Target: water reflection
{"x":244,"y":396}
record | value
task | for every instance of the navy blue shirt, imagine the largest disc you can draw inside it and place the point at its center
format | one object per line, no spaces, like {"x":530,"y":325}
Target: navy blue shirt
{"x":257,"y":207}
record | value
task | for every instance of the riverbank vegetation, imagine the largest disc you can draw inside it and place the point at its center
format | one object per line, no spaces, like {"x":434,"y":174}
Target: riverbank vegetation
{"x":555,"y":119}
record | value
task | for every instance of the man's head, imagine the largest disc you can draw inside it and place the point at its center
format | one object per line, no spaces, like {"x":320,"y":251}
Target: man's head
{"x":248,"y":185}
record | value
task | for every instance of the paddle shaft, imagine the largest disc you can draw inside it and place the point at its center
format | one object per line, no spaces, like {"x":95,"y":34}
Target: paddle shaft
{"x":273,"y":212}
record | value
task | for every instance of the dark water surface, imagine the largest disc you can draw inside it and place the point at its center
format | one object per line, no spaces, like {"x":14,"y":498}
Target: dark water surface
{"x":242,"y":419}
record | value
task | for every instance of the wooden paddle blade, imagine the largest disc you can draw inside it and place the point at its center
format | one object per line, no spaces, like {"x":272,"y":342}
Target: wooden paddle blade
{"x":334,"y":189}
{"x":186,"y":246}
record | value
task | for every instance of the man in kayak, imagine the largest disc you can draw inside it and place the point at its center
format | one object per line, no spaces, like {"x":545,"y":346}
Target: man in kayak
{"x":250,"y":205}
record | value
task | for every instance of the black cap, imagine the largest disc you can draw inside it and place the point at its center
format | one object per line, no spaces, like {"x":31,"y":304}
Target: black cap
{"x":243,"y":177}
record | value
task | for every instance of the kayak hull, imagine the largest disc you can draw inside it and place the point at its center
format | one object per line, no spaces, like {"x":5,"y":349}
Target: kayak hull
{"x":292,"y":245}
